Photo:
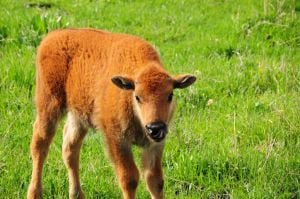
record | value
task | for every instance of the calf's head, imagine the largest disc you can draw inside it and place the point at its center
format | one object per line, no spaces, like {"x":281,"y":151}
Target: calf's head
{"x":153,"y":97}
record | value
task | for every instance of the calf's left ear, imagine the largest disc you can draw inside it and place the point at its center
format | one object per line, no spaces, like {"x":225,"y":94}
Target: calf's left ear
{"x":123,"y":82}
{"x":183,"y":81}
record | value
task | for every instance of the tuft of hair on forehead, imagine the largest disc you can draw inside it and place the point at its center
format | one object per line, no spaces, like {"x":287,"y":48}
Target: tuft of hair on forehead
{"x":154,"y":77}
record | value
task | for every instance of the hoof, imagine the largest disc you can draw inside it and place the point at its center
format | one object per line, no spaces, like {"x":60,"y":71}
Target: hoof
{"x":34,"y":192}
{"x":78,"y":194}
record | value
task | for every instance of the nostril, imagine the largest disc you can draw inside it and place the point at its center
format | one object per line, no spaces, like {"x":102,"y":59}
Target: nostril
{"x":149,"y":129}
{"x":163,"y":126}
{"x":148,"y":126}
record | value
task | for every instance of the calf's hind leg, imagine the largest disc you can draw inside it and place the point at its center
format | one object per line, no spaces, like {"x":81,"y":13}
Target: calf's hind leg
{"x":74,"y":132}
{"x":43,"y":132}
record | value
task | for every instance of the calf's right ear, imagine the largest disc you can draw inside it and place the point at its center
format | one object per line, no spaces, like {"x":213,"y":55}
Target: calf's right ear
{"x":123,"y":82}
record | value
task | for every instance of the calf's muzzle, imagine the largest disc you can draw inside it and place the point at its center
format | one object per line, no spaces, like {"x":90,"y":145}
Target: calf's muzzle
{"x":157,"y":130}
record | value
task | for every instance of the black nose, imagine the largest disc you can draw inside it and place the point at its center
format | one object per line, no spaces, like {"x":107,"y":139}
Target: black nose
{"x":157,"y":130}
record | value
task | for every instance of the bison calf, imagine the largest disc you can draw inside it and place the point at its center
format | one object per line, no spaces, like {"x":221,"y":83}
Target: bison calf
{"x":112,"y":82}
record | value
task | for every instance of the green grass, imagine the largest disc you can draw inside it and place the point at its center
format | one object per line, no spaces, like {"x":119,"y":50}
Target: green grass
{"x":246,"y":55}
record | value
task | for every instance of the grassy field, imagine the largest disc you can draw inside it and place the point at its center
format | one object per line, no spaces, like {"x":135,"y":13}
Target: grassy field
{"x":236,"y":133}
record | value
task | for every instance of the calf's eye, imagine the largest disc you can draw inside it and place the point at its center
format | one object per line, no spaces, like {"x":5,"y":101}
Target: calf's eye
{"x":138,"y":99}
{"x":170,"y":97}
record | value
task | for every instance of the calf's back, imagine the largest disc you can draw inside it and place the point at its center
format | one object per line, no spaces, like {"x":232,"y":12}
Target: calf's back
{"x":76,"y":66}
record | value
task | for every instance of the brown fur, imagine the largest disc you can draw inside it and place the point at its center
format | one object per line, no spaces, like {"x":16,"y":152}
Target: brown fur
{"x":75,"y":68}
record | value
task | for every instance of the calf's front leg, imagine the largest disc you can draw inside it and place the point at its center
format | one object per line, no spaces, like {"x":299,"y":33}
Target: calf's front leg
{"x":153,"y":174}
{"x":126,"y":170}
